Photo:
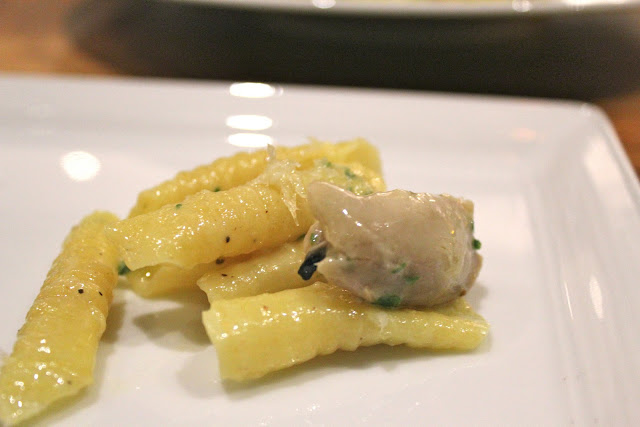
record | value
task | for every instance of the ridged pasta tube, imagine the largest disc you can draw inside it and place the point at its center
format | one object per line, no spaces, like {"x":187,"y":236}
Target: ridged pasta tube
{"x":229,"y":172}
{"x":209,"y":226}
{"x":254,"y":336}
{"x":55,"y":352}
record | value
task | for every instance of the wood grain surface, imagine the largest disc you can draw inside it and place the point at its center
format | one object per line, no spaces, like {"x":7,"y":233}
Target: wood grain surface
{"x":33,"y":40}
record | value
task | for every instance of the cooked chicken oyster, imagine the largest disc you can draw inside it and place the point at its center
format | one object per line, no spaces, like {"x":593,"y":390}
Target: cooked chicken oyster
{"x":396,"y":248}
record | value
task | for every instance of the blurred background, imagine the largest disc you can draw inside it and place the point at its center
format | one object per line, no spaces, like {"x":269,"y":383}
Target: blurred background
{"x":586,"y":50}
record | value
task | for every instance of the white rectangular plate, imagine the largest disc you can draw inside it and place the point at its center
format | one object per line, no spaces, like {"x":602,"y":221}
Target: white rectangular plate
{"x":557,"y":211}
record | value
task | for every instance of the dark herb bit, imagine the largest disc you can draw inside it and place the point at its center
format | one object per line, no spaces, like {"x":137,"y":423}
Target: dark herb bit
{"x":314,"y":237}
{"x":100,"y":293}
{"x":220,"y":260}
{"x":349,"y":173}
{"x":216,"y":189}
{"x":308,"y":266}
{"x":388,"y":301}
{"x":122,"y":268}
{"x":477,"y":244}
{"x":223,"y":275}
{"x":81,"y":291}
{"x":328,"y":164}
{"x":179,"y":205}
{"x":399,"y":268}
{"x":226,"y":239}
{"x":410,"y":280}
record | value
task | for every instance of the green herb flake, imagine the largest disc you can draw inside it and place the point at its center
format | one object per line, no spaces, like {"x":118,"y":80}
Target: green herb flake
{"x":472,"y":226}
{"x":399,"y":268}
{"x":216,"y":189}
{"x":477,"y":244}
{"x":410,"y":280}
{"x":327,"y":163}
{"x":179,"y":205}
{"x":122,"y":268}
{"x":314,"y":237}
{"x":388,"y":301}
{"x":349,"y":173}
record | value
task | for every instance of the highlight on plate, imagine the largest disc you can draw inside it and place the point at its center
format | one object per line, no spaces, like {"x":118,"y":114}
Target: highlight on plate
{"x":301,"y":253}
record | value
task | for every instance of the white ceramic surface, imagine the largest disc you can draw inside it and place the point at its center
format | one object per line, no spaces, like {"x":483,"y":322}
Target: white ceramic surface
{"x":557,"y":211}
{"x":426,"y":8}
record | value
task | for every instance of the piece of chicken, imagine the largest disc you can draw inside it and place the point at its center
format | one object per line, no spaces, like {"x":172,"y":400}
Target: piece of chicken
{"x":394,"y":249}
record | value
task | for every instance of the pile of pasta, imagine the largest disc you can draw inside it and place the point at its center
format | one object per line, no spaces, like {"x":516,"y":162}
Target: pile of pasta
{"x":234,"y":229}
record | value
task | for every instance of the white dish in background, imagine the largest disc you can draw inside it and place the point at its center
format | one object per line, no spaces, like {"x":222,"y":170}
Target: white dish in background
{"x":557,"y":211}
{"x":570,"y":49}
{"x":425,"y":8}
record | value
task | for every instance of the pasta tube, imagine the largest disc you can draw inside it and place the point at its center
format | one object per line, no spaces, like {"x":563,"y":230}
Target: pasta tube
{"x":257,"y":335}
{"x":210,"y":226}
{"x":55,"y":352}
{"x":267,"y":271}
{"x":229,"y":172}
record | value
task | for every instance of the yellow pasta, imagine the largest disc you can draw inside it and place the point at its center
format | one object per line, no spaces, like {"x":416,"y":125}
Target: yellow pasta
{"x":55,"y":352}
{"x":233,"y":228}
{"x":164,"y":279}
{"x":267,"y":271}
{"x":254,"y":336}
{"x":229,"y":172}
{"x":209,"y":226}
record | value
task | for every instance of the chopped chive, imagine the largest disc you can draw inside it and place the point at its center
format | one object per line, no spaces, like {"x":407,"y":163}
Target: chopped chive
{"x":314,"y":237}
{"x":216,"y":189}
{"x":388,"y":301}
{"x":399,"y":268}
{"x":179,"y":205}
{"x":472,"y":226}
{"x":122,"y":268}
{"x":476,"y":244}
{"x":410,"y":280}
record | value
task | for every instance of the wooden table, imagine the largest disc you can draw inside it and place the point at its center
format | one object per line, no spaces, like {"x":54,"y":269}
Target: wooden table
{"x":33,"y":40}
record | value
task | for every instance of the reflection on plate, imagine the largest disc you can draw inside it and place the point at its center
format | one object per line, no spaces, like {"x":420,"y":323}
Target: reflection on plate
{"x":557,"y":211}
